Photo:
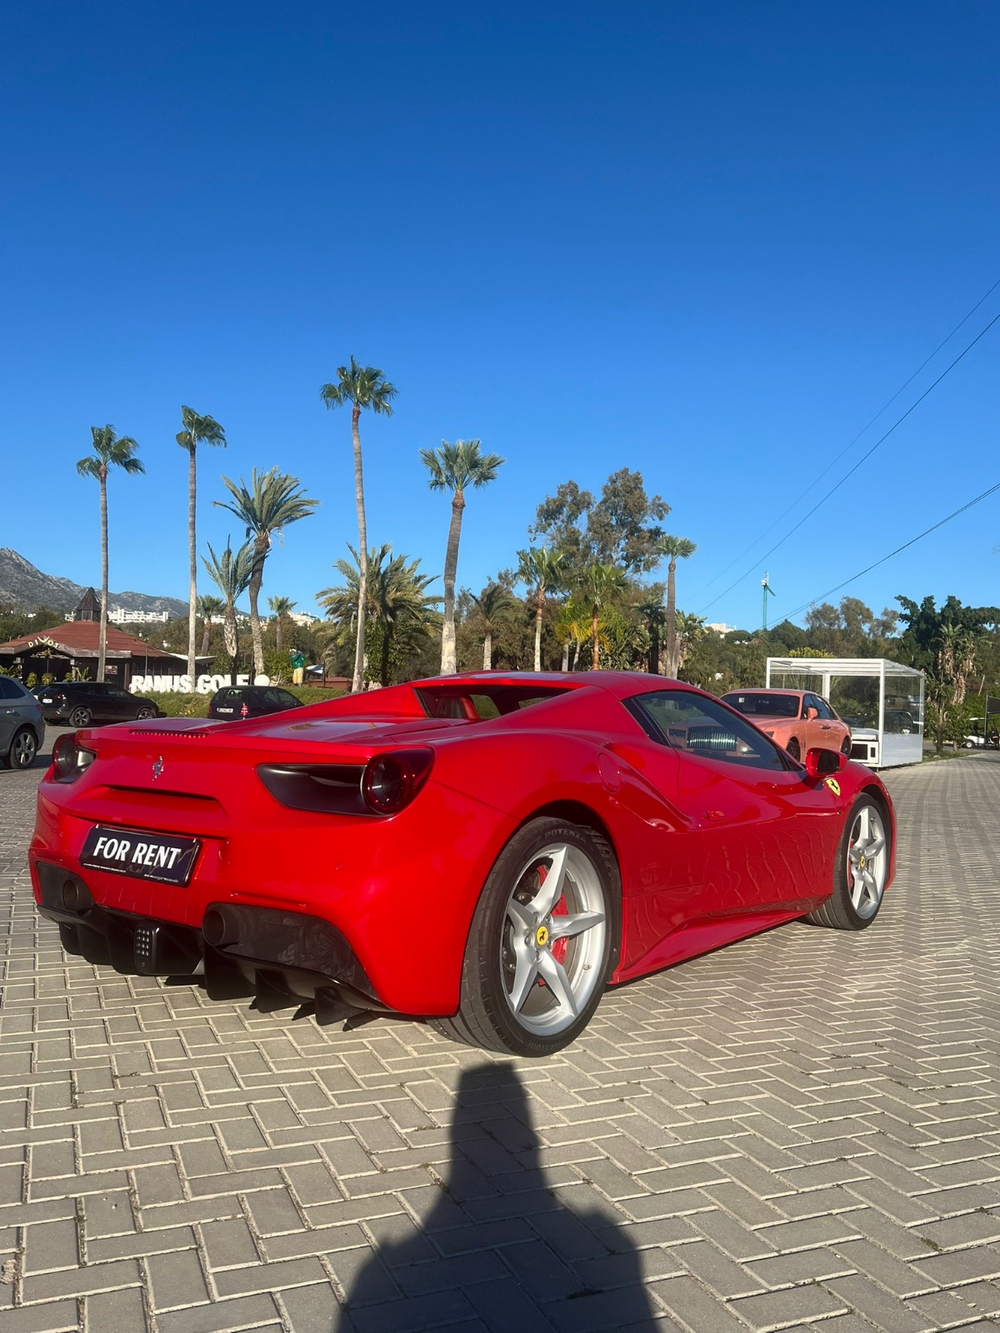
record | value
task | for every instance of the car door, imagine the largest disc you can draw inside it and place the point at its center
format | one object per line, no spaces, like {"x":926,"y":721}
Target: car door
{"x":120,"y":703}
{"x":11,"y":712}
{"x":766,"y":832}
{"x":824,"y":731}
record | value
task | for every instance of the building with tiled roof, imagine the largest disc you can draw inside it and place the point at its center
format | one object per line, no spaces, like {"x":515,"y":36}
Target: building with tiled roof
{"x":64,"y":650}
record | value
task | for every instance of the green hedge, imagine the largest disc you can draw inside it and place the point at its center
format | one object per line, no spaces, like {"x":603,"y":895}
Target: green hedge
{"x":174,"y":704}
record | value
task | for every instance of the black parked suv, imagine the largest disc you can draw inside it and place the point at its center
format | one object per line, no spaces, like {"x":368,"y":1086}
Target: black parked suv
{"x":233,"y":703}
{"x":81,"y":702}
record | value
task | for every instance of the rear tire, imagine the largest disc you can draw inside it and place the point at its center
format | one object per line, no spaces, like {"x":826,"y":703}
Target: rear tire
{"x":144,"y":714}
{"x":539,"y":953}
{"x":23,"y":749}
{"x":860,"y":871}
{"x":80,"y":717}
{"x":845,"y":748}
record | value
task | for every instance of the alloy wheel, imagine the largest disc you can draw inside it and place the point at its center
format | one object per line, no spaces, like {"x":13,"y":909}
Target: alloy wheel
{"x":867,"y":861}
{"x":553,"y":939}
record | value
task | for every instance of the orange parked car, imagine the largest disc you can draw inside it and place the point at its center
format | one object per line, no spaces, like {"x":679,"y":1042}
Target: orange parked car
{"x":796,"y":719}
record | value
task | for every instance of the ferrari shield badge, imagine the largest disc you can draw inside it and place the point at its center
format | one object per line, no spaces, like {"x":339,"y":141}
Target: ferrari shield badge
{"x":834,"y":786}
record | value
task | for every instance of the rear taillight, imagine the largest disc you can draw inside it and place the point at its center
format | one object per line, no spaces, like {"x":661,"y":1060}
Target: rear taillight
{"x":390,"y":781}
{"x":70,"y":759}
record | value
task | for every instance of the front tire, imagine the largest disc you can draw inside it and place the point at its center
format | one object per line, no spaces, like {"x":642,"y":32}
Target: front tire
{"x":23,"y":749}
{"x":860,"y":872}
{"x":144,"y":714}
{"x":542,"y":942}
{"x":80,"y":717}
{"x":794,"y":749}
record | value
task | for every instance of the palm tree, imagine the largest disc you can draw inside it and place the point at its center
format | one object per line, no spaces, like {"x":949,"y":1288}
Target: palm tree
{"x":598,"y":586}
{"x":678,"y":548}
{"x":400,"y":612}
{"x":456,"y":467}
{"x":543,"y":570}
{"x":274,"y":499}
{"x":280,"y":607}
{"x":230,"y":572}
{"x":690,"y":629}
{"x":205,"y":430}
{"x":363,"y":387}
{"x":208,"y":608}
{"x":655,"y":616}
{"x":493,"y":603}
{"x":110,"y":450}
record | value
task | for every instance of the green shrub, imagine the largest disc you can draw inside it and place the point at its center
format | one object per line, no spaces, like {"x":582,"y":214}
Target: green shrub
{"x":175,"y":704}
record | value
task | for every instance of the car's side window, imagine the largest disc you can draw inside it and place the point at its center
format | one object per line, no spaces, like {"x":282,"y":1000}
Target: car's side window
{"x":703,"y":727}
{"x":825,"y":711}
{"x":8,"y":690}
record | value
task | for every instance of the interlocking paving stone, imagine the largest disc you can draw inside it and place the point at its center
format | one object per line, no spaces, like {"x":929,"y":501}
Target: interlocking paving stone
{"x":799,"y":1132}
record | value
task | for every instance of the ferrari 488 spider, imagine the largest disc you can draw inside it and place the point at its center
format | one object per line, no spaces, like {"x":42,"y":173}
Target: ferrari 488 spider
{"x":486,"y":851}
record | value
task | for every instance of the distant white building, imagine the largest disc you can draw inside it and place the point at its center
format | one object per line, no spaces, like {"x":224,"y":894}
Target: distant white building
{"x":119,"y":616}
{"x":722,"y":629}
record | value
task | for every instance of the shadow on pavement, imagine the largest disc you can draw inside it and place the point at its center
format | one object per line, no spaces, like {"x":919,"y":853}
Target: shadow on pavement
{"x":500,"y":1249}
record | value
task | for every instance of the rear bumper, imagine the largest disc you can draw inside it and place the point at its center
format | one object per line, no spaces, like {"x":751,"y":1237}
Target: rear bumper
{"x":399,"y":893}
{"x":249,"y":951}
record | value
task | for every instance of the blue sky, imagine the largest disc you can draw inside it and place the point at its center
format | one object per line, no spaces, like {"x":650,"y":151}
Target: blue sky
{"x":707,"y":242}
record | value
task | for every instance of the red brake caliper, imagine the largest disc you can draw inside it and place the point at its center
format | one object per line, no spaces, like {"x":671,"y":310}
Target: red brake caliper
{"x":558,"y":947}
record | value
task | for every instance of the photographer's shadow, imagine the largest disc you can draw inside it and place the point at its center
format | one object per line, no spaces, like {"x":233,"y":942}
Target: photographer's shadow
{"x":501,"y":1251}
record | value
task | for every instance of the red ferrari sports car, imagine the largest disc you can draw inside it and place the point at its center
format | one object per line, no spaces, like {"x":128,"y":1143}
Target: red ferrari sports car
{"x":485,"y":851}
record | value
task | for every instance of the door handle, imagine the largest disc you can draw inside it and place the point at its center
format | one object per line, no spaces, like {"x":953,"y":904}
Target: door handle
{"x":715,"y":814}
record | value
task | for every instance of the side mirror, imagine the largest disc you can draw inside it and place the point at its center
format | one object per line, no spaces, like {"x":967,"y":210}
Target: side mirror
{"x":824,"y":763}
{"x":811,"y":713}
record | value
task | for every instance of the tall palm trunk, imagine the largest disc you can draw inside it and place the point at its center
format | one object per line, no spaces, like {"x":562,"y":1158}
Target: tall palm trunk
{"x":102,"y":637}
{"x":253,"y":589}
{"x":448,"y":667}
{"x":539,"y":612}
{"x":565,"y":656}
{"x":206,"y":630}
{"x":488,"y":649}
{"x":192,"y":568}
{"x":671,"y":620}
{"x":595,"y":615}
{"x":277,"y":634}
{"x":358,"y":682}
{"x":229,"y":634}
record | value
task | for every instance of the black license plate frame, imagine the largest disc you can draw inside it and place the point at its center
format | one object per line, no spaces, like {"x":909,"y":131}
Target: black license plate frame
{"x":164,"y":858}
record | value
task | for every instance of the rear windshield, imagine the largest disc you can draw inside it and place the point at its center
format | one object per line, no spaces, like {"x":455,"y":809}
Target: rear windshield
{"x":483,"y":702}
{"x":754,"y":704}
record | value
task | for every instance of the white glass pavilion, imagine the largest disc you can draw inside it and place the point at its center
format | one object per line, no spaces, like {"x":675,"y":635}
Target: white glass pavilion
{"x":881,"y":701}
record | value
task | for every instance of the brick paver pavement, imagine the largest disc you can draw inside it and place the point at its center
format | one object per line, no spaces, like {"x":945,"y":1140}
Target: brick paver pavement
{"x":799,"y":1131}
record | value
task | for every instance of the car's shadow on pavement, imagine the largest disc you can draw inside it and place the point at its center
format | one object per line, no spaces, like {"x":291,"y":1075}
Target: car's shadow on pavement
{"x":487,"y":1255}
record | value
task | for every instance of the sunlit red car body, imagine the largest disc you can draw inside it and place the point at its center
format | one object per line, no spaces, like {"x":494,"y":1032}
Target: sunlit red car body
{"x":707,"y":851}
{"x":813,"y":723}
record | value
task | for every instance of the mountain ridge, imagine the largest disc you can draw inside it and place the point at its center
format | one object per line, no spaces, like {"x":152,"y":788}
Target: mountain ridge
{"x":25,"y":587}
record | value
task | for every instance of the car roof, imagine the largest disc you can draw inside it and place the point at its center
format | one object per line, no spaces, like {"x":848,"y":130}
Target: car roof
{"x":766,"y":689}
{"x":622,"y":684}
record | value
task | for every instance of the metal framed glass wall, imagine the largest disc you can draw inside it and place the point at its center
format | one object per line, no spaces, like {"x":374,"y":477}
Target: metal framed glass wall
{"x":881,"y":701}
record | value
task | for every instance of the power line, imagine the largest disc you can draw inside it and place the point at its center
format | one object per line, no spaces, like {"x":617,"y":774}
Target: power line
{"x":863,"y":459}
{"x":912,"y":542}
{"x":850,"y":445}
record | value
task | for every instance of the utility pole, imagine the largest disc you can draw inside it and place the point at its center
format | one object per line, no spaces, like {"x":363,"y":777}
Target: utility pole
{"x":767,"y":592}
